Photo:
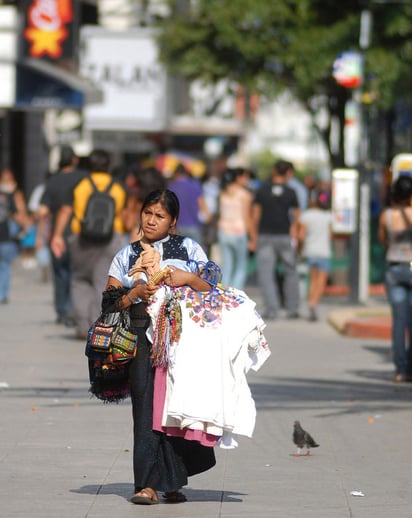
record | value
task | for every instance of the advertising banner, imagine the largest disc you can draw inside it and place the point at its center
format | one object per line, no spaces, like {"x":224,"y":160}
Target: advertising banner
{"x":344,"y":200}
{"x":48,"y":30}
{"x":347,"y":69}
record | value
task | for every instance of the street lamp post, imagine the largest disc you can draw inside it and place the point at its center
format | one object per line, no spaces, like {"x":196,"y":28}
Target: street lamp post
{"x":364,"y":190}
{"x":360,"y":245}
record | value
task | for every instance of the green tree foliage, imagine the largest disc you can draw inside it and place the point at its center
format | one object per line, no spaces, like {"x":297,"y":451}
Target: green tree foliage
{"x":267,"y":46}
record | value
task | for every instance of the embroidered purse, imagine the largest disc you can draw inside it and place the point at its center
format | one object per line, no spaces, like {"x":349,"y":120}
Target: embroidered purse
{"x":100,"y":336}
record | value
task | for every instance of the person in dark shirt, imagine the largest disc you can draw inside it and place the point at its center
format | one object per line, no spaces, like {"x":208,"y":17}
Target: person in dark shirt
{"x":275,"y":216}
{"x":58,"y":187}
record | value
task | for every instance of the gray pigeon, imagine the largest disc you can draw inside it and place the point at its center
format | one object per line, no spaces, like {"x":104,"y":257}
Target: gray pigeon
{"x":302,"y":438}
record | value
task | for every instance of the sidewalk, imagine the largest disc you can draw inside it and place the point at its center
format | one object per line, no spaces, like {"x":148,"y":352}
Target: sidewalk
{"x":64,"y":455}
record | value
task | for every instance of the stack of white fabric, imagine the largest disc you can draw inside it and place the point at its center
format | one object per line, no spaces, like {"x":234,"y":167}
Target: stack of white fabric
{"x":207,"y":388}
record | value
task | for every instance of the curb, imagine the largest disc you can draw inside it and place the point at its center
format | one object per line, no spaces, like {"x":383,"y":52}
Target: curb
{"x":363,"y":323}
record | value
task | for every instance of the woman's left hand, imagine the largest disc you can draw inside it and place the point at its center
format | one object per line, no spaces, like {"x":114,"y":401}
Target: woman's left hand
{"x":176,"y":277}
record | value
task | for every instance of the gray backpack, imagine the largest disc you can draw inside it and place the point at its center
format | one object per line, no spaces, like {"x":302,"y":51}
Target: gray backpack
{"x":97,"y":224}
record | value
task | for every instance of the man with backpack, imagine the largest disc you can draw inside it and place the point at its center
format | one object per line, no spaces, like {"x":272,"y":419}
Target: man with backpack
{"x":95,"y":207}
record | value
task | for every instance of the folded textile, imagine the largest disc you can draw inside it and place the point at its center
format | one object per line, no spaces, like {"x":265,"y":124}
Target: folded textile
{"x":206,"y":386}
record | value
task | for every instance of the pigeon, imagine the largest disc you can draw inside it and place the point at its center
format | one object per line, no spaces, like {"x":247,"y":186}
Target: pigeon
{"x":302,"y":438}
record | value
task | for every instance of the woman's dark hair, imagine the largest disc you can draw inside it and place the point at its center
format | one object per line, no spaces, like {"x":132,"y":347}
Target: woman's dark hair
{"x":227,"y":178}
{"x":401,"y":190}
{"x":321,"y":198}
{"x":167,"y":199}
{"x":230,"y":175}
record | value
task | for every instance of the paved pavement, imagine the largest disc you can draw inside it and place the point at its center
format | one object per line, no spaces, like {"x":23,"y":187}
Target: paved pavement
{"x":64,"y":455}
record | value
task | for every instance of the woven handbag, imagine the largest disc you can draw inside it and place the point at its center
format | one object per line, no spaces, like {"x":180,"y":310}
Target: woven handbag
{"x":124,"y":345}
{"x":100,"y":336}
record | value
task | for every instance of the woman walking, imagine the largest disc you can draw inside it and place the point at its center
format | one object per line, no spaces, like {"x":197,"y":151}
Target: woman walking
{"x":395,"y":234}
{"x":315,"y":232}
{"x":185,"y":398}
{"x":234,"y":225}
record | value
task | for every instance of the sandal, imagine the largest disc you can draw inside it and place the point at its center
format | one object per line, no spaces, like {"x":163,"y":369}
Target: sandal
{"x":174,"y":497}
{"x":399,"y":378}
{"x":146,"y":496}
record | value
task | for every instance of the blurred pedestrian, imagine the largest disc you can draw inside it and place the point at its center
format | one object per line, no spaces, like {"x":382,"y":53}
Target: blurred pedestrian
{"x":299,"y":187}
{"x":234,"y":226}
{"x":42,"y":227}
{"x":126,"y":176}
{"x":395,"y":234}
{"x":193,"y":206}
{"x":11,"y":219}
{"x":211,"y":191}
{"x":315,"y":235}
{"x":90,"y":258}
{"x":275,"y":218}
{"x":58,"y":188}
{"x":28,"y":238}
{"x":20,"y":220}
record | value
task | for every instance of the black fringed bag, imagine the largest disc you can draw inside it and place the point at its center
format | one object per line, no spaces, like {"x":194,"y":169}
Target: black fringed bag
{"x":110,"y":347}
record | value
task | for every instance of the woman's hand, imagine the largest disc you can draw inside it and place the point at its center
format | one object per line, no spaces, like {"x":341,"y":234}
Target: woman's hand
{"x":178,"y":277}
{"x":143,"y":291}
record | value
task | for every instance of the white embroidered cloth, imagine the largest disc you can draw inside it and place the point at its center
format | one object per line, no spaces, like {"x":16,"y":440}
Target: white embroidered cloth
{"x":207,"y":388}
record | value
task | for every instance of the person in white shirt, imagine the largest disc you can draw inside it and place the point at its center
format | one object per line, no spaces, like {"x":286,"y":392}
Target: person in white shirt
{"x":315,"y":233}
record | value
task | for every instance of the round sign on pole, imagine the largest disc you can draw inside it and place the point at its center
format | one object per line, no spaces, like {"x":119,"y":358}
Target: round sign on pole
{"x":347,"y":69}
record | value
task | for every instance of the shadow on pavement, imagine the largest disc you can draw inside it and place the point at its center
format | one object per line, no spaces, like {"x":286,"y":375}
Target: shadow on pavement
{"x":193,"y":495}
{"x":338,"y":396}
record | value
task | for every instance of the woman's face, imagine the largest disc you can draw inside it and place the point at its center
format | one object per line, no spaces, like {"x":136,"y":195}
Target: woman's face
{"x":156,"y":222}
{"x":243,"y":179}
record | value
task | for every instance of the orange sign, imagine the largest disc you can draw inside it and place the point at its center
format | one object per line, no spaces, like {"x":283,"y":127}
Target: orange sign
{"x":46,"y":31}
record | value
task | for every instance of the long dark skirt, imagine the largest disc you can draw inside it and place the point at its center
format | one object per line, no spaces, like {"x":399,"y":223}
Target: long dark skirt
{"x":160,"y":462}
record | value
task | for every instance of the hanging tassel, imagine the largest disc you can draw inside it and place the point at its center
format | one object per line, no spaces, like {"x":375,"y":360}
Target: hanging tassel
{"x":167,"y":331}
{"x":159,"y":336}
{"x":175,"y":319}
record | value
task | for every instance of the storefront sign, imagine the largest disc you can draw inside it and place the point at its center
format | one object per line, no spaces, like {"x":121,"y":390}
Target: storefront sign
{"x":125,"y":66}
